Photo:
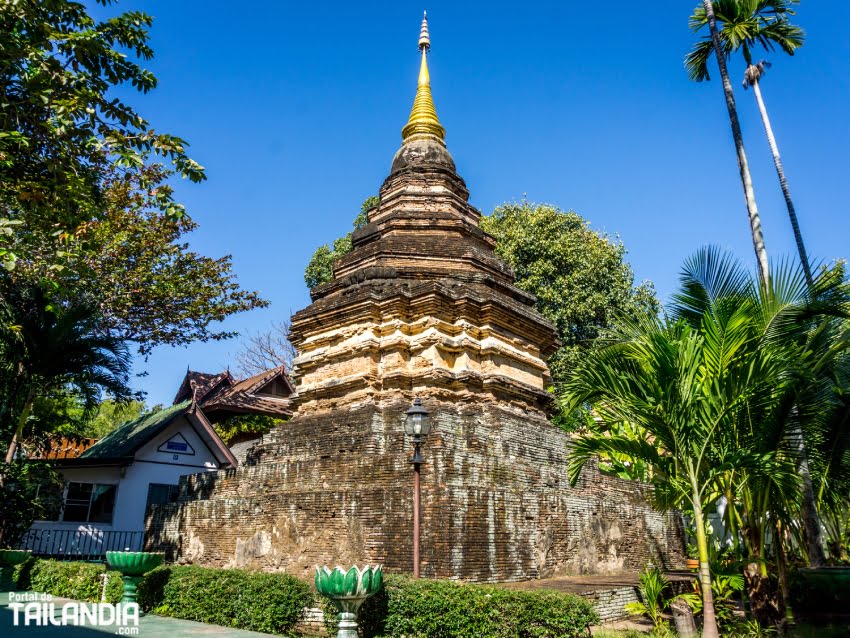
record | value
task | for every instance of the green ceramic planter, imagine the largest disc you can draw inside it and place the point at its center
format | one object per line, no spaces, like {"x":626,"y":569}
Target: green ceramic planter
{"x":8,"y":559}
{"x":133,"y":565}
{"x":348,"y":590}
{"x":822,"y":595}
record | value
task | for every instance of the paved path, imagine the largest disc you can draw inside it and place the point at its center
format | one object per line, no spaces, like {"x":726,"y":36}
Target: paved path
{"x":149,"y":627}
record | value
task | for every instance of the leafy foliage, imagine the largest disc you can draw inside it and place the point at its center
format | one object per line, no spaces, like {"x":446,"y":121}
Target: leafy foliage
{"x":255,"y":601}
{"x":578,"y":275}
{"x":743,"y":25}
{"x":62,"y":413}
{"x":726,"y":590}
{"x":426,"y":608}
{"x":232,"y":427}
{"x":46,"y":348}
{"x":652,"y":603}
{"x":320,"y":269}
{"x":151,"y":287}
{"x":719,"y":389}
{"x":61,"y":126}
{"x":75,"y":580}
{"x":31,"y":491}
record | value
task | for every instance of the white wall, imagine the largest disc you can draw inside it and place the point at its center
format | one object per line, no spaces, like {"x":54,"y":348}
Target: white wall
{"x":150,"y":466}
{"x":153,"y":466}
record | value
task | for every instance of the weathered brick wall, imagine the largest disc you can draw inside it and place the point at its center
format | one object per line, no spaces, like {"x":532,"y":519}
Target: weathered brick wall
{"x":610,"y":604}
{"x":337,"y":488}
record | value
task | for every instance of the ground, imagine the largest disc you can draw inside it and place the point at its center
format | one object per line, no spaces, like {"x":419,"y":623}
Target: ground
{"x":594,"y":582}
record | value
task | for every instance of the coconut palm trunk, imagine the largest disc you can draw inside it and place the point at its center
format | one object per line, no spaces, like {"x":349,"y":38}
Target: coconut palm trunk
{"x":17,"y":437}
{"x":808,"y":509}
{"x":743,"y":164}
{"x":783,"y":183}
{"x":808,"y":506}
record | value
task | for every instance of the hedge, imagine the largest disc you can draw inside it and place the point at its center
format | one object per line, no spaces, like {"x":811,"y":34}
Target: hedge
{"x":271,"y":603}
{"x":80,"y":581}
{"x":437,"y":609}
{"x":257,"y":601}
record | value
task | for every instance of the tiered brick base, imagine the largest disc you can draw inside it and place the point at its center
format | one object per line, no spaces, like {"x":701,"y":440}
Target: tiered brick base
{"x":496,"y":504}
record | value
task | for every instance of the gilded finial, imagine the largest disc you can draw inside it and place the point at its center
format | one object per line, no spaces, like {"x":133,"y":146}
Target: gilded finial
{"x":423,"y":121}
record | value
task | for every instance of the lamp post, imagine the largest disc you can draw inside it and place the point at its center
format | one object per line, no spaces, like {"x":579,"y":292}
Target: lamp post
{"x":417,"y":425}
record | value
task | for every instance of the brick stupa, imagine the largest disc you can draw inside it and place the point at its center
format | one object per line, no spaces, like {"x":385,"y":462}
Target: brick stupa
{"x":422,"y":307}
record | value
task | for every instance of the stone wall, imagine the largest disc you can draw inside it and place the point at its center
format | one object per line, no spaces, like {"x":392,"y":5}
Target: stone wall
{"x":496,"y":505}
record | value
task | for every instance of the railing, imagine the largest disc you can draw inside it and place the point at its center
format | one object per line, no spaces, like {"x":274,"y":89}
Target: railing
{"x":76,"y":544}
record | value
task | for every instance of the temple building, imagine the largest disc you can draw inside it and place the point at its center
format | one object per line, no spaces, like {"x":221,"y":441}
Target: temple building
{"x":421,"y":307}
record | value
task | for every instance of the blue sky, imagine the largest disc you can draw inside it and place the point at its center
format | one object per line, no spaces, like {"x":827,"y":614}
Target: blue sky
{"x":295,"y":109}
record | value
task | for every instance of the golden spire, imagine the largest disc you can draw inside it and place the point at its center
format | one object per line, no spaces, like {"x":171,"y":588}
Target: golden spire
{"x":423,"y":120}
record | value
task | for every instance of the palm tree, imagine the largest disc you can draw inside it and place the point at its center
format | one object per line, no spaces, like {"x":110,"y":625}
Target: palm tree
{"x":46,"y":348}
{"x":765,"y":23}
{"x":747,"y":24}
{"x":715,"y":396}
{"x":703,"y":50}
{"x":686,"y":385}
{"x":805,"y":326}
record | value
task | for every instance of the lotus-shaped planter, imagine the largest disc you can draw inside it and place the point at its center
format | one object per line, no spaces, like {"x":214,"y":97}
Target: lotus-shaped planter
{"x":8,"y":559}
{"x":348,"y":590}
{"x":133,"y":565}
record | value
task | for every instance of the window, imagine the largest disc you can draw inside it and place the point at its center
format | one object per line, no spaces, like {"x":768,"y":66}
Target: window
{"x":159,"y":493}
{"x":89,"y":503}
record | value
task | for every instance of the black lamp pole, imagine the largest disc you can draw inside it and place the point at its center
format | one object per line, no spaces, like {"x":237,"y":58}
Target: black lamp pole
{"x":417,"y":462}
{"x":417,"y":424}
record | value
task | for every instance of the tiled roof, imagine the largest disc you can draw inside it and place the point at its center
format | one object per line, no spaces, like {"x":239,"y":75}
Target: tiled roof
{"x":243,"y":397}
{"x":61,"y":447}
{"x":198,"y":385}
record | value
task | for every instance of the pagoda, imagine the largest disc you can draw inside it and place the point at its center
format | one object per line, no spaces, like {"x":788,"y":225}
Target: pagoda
{"x":421,"y":307}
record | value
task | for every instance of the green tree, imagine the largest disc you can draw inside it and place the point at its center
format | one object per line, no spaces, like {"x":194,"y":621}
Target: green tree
{"x":579,"y":276}
{"x":705,"y":386}
{"x":320,"y":269}
{"x":31,"y":490}
{"x":63,"y":128}
{"x":135,"y":264}
{"x":744,"y":26}
{"x":110,"y":415}
{"x":62,"y":413}
{"x":234,"y":426}
{"x":805,"y":325}
{"x":47,"y":348}
{"x":702,"y":50}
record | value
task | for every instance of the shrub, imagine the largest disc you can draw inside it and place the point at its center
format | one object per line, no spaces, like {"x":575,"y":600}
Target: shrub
{"x":431,"y":608}
{"x":257,"y":601}
{"x":80,"y":581}
{"x":652,"y":585}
